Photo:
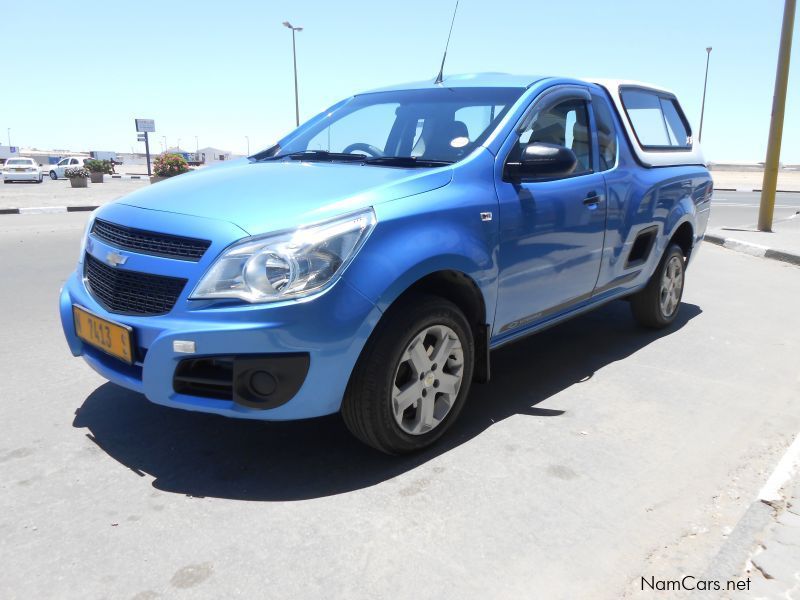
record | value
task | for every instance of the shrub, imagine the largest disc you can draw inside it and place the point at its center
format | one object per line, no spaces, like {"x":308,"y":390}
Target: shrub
{"x":169,"y":165}
{"x":99,"y":166}
{"x":76,"y":172}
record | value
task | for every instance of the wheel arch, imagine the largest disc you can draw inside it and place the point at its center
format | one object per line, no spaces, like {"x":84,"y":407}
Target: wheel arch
{"x":680,"y":226}
{"x":461,"y":289}
{"x":684,"y":237}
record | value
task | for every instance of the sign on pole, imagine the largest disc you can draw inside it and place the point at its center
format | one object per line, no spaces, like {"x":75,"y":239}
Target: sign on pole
{"x":148,"y":125}
{"x":145,"y":126}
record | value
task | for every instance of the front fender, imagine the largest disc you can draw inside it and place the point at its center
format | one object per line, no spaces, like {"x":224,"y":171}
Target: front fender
{"x":412,"y":241}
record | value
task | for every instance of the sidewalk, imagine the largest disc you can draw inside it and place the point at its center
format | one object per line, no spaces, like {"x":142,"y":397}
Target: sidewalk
{"x":747,"y":181}
{"x":774,"y":565}
{"x":762,"y":552}
{"x":58,"y":196}
{"x":774,"y":568}
{"x":782,"y":243}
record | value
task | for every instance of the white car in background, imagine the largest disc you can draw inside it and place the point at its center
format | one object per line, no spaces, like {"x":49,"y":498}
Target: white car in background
{"x":57,"y":170}
{"x":22,"y":169}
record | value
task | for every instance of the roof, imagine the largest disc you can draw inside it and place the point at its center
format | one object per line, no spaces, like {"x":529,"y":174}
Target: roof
{"x":615,"y":84}
{"x":468,"y":80}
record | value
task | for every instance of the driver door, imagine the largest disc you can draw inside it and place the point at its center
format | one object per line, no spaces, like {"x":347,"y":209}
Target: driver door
{"x":61,"y":166}
{"x":552,"y":229}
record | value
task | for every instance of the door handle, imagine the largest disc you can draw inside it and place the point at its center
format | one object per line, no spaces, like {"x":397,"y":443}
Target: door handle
{"x":592,"y":198}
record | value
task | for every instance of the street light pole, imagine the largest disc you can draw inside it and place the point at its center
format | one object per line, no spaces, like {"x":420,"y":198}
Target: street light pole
{"x":294,"y":59}
{"x":248,"y":144}
{"x":163,"y":137}
{"x":8,"y":131}
{"x":196,"y":147}
{"x":703,"y":107}
{"x":770,"y":182}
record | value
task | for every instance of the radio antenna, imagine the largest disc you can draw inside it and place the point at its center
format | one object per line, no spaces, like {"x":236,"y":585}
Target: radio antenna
{"x":440,"y":76}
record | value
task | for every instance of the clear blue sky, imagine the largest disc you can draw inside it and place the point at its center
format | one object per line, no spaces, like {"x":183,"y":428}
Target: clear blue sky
{"x":222,"y":70}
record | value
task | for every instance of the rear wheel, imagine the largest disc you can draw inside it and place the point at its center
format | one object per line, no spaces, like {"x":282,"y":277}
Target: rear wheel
{"x":657,"y":305}
{"x":412,"y":377}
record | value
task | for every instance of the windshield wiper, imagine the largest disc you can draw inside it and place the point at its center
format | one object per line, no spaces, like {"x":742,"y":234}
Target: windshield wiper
{"x":407,"y":161}
{"x":320,"y":155}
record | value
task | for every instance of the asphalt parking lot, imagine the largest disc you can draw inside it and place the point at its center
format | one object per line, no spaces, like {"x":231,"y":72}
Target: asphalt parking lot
{"x":600,"y":453}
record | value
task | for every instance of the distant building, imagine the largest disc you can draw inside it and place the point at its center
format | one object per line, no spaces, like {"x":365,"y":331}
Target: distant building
{"x":211,"y":155}
{"x":9,"y":151}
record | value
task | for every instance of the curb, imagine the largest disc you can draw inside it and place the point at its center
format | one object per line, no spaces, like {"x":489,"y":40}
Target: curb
{"x":40,"y":210}
{"x":753,"y":249}
{"x":716,"y":189}
{"x":730,"y":560}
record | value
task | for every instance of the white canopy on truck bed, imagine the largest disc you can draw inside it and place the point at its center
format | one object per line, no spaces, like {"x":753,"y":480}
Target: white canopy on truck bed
{"x":670,"y":149}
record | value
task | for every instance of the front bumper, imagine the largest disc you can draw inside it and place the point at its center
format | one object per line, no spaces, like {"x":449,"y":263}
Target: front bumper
{"x":330,"y":329}
{"x":21,"y":176}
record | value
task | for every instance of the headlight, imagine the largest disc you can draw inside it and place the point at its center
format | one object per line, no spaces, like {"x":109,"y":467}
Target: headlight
{"x":286,"y":265}
{"x":86,"y":231}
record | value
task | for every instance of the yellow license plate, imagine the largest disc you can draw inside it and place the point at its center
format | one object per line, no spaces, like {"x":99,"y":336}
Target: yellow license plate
{"x":112,"y":338}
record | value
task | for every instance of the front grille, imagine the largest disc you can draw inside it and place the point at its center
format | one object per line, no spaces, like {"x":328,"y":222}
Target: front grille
{"x":131,"y":292}
{"x":150,"y":242}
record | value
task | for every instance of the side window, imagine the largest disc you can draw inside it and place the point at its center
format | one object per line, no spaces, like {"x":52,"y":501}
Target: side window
{"x":565,"y":123}
{"x":656,"y":119}
{"x":606,"y":133}
{"x":73,"y":161}
{"x":63,"y":161}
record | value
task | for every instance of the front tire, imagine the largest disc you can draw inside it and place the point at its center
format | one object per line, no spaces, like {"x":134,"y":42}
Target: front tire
{"x":412,"y":377}
{"x":657,"y":305}
{"x":53,"y":175}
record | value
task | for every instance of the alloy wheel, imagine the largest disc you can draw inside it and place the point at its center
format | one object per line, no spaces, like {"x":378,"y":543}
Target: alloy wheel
{"x":671,"y":286}
{"x":427,"y":379}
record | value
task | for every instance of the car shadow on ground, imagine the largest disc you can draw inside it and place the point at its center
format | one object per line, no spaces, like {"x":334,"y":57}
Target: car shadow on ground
{"x":209,"y":456}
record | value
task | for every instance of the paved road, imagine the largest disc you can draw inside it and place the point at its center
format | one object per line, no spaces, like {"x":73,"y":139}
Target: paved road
{"x":740,"y":209}
{"x":599,"y":454}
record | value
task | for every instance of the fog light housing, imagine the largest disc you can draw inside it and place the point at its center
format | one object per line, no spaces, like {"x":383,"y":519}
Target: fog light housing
{"x":255,"y":381}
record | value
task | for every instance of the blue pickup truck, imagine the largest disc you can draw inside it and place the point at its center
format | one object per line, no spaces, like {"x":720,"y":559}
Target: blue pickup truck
{"x":370,"y":261}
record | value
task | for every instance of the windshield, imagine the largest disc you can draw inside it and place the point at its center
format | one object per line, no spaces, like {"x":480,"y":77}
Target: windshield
{"x":423,"y":127}
{"x":19,"y":161}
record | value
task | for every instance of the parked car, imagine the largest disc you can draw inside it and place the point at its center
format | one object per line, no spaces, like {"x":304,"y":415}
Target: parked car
{"x":57,"y":170}
{"x":21,"y":169}
{"x":370,"y":261}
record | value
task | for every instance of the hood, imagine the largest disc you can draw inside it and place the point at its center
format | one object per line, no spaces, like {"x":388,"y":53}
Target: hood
{"x":269,"y":196}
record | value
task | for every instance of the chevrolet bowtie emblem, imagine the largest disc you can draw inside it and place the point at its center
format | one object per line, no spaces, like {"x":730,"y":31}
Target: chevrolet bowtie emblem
{"x":115,"y":259}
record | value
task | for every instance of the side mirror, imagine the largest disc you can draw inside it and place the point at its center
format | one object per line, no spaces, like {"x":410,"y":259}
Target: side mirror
{"x":540,"y":159}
